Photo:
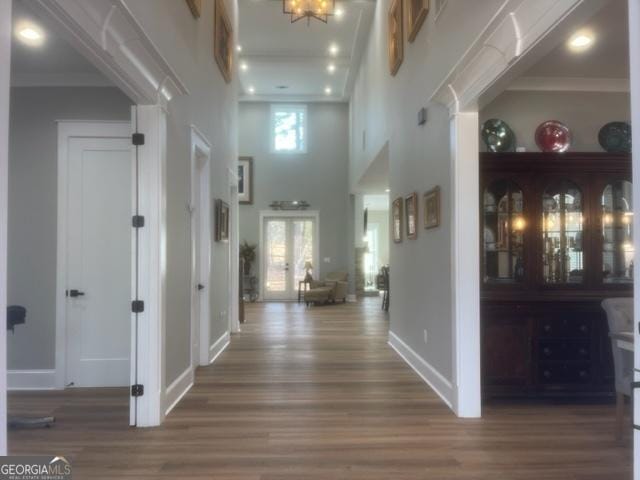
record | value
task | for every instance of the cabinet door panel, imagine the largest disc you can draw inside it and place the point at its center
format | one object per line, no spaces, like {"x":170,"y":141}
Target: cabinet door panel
{"x":506,"y":350}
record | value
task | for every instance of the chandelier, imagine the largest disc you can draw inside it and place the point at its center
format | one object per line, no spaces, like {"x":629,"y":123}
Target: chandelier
{"x":318,"y":9}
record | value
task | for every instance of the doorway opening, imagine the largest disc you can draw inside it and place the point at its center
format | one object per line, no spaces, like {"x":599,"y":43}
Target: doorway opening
{"x":287,"y":243}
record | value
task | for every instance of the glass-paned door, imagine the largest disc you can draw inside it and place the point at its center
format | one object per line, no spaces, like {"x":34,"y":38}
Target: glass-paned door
{"x":288,"y":245}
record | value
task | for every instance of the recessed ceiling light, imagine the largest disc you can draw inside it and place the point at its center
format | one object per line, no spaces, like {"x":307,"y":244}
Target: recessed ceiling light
{"x":30,"y":34}
{"x":387,"y":190}
{"x":581,"y":41}
{"x":334,"y":49}
{"x":331,"y":67}
{"x":339,"y":12}
{"x":244,"y":67}
{"x":327,"y":90}
{"x":251,"y":90}
{"x":239,"y":48}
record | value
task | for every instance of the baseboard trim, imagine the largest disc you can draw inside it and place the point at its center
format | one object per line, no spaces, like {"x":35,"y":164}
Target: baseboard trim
{"x":178,"y":389}
{"x":31,"y":380}
{"x":218,"y":347}
{"x":424,"y":369}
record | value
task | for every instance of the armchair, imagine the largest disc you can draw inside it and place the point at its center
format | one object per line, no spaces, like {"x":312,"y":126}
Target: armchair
{"x":333,"y":288}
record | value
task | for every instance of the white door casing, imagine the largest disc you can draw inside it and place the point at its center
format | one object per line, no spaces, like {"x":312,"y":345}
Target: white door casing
{"x":201,"y":234}
{"x":98,"y":240}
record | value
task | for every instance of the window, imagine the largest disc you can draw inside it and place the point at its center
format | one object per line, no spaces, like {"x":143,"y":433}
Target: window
{"x":289,"y":128}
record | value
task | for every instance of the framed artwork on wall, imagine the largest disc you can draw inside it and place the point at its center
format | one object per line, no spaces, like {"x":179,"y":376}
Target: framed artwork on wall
{"x":396,"y":219}
{"x":417,"y":11}
{"x":221,"y":221}
{"x":396,"y":37}
{"x":432,"y":208}
{"x":245,"y":180}
{"x":223,"y":40}
{"x":411,"y":215}
{"x":196,"y":7}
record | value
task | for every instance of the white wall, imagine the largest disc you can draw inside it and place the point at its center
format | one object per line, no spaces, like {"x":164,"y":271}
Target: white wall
{"x":319,"y":176}
{"x":211,"y":106}
{"x":386,"y":109}
{"x":583,"y":112}
{"x":33,"y":195}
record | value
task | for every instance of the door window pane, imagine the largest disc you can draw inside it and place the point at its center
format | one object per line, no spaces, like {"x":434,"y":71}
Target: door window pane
{"x":504,"y":226}
{"x":276,"y":253}
{"x":617,"y":232}
{"x":562,"y":219}
{"x":302,"y":248}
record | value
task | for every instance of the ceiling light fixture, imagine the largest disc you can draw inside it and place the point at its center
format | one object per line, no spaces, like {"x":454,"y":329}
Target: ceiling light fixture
{"x":339,"y":12}
{"x":327,"y":90}
{"x":244,"y":67}
{"x":239,"y":48}
{"x":334,"y":49}
{"x":387,"y":190}
{"x":318,"y":9}
{"x":251,"y":90}
{"x":331,"y":68}
{"x":30,"y":34}
{"x":581,"y":41}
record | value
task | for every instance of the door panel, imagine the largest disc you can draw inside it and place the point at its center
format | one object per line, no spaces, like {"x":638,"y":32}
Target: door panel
{"x":276,"y":259}
{"x":99,"y":262}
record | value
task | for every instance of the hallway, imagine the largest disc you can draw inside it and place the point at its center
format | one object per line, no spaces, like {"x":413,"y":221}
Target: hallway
{"x":317,"y":394}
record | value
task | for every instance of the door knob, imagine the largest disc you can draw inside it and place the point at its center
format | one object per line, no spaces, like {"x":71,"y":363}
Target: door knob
{"x":75,"y":293}
{"x":200,"y":287}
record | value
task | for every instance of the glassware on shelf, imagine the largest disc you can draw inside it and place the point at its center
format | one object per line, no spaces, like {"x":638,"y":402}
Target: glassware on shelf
{"x":617,"y":232}
{"x":504,"y":225}
{"x":562,"y":218}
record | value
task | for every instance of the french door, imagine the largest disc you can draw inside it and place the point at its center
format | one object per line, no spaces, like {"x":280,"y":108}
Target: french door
{"x":288,"y":243}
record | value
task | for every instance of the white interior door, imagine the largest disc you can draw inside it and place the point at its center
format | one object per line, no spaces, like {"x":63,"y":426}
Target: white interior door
{"x":289,"y":242}
{"x":99,"y":252}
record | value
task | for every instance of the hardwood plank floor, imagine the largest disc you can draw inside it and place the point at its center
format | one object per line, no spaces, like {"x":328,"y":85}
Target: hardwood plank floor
{"x":316,"y":394}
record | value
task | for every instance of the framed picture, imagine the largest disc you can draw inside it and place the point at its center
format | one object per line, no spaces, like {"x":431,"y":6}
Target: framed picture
{"x":196,"y":7}
{"x":245,"y":180}
{"x":432,"y":208}
{"x":417,"y":11}
{"x":366,"y":221}
{"x":411,"y":215}
{"x":222,"y":221}
{"x":223,"y":41}
{"x":396,"y":37}
{"x":396,"y":220}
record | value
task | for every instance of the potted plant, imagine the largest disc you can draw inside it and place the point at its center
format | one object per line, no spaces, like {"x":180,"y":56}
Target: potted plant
{"x":248,"y":254}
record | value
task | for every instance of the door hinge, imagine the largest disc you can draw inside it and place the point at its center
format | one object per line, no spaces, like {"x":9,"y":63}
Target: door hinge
{"x":137,"y":306}
{"x":137,"y":221}
{"x":137,"y":390}
{"x":137,"y":139}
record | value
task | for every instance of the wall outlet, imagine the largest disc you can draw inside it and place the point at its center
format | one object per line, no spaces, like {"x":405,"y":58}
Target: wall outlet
{"x":426,"y":337}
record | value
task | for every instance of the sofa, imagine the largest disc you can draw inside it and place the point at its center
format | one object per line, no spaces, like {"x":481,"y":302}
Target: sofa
{"x":332,"y":289}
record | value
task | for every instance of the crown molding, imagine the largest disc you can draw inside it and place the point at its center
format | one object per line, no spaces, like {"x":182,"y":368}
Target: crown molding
{"x":570,"y":84}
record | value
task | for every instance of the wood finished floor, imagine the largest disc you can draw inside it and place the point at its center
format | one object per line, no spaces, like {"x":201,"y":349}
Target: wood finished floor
{"x":318,"y":395}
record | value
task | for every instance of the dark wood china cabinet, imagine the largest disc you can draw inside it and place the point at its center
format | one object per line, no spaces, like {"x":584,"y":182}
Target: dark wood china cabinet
{"x":556,"y":240}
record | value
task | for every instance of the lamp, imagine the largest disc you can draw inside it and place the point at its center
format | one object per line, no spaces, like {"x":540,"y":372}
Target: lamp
{"x":318,"y":9}
{"x":308,"y":267}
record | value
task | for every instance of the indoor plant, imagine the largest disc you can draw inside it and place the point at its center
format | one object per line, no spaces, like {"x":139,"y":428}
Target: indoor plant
{"x":248,"y":254}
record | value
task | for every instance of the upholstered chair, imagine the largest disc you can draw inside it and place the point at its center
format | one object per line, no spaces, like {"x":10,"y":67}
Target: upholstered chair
{"x":332,"y":289}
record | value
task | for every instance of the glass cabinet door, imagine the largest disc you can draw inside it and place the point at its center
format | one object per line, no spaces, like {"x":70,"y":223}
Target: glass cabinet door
{"x":617,"y":232}
{"x":504,"y":226}
{"x":562,"y":235}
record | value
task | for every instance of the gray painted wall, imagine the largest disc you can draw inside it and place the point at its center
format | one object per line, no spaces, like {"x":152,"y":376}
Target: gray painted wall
{"x":320,"y":176}
{"x":583,"y":112}
{"x":33,"y":197}
{"x":211,"y":106}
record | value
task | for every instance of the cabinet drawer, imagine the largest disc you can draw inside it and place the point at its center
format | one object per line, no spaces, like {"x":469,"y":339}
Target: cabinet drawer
{"x":564,"y":373}
{"x":553,"y":350}
{"x":564,"y":327}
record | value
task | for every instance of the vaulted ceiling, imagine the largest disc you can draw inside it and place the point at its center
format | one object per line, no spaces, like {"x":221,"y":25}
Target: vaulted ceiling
{"x":289,"y":61}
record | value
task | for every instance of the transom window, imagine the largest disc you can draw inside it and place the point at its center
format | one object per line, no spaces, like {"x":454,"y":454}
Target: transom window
{"x":289,"y":128}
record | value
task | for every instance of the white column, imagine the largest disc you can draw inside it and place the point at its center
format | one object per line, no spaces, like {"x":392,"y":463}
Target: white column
{"x":5,"y":59}
{"x":465,"y":259}
{"x":634,"y":45}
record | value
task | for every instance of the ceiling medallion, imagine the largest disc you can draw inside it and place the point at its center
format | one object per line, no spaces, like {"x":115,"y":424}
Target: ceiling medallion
{"x":318,"y":9}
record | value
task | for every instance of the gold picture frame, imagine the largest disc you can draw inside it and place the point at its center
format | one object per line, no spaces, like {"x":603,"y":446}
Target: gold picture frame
{"x":196,"y":7}
{"x":417,"y":11}
{"x":432,"y":208}
{"x":221,"y":221}
{"x":411,"y":215}
{"x":396,"y":220}
{"x":396,"y":37}
{"x":223,"y":41}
